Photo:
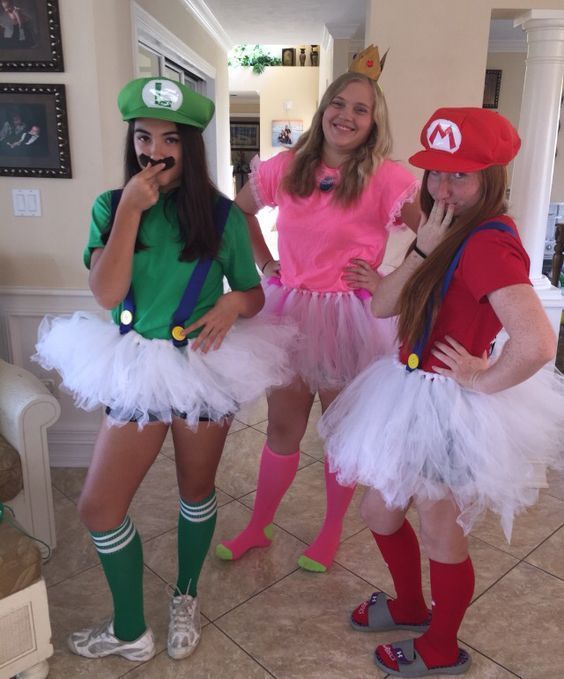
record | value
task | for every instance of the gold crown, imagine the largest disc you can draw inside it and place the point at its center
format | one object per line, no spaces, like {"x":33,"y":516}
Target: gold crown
{"x":368,"y":62}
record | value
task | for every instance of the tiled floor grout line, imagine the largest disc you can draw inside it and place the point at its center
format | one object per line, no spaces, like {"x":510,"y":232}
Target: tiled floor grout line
{"x":518,"y":560}
{"x":72,"y":575}
{"x":528,"y":554}
{"x":142,"y":664}
{"x":62,"y":492}
{"x":253,"y":596}
{"x":361,"y":577}
{"x":543,"y":570}
{"x":496,"y":662}
{"x":251,"y":656}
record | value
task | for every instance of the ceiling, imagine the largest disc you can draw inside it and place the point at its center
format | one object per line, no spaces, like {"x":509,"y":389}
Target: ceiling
{"x":292,"y":22}
{"x":301,"y":22}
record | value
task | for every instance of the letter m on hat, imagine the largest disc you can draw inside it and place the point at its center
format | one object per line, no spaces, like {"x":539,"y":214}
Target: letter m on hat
{"x":444,"y":135}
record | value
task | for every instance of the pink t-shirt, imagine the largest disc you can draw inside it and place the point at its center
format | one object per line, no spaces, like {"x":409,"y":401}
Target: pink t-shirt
{"x":317,"y":238}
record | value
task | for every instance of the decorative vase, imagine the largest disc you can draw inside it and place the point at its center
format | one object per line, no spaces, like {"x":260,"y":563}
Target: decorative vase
{"x":302,"y":56}
{"x":314,"y":56}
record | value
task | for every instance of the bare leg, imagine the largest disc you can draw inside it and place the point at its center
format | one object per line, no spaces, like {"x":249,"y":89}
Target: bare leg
{"x":122,"y":456}
{"x":288,"y":414}
{"x":197,"y":456}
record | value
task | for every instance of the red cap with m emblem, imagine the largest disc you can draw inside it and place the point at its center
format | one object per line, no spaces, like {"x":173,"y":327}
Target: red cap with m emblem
{"x":466,"y":140}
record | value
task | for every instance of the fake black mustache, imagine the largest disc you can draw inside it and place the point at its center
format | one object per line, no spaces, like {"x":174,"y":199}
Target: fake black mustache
{"x":145,"y":160}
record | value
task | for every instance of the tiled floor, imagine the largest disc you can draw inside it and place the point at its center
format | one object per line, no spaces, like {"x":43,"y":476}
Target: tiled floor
{"x":264,"y":617}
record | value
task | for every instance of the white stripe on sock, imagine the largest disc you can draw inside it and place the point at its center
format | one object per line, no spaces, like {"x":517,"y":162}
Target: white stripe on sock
{"x":200,"y":513}
{"x":110,"y":536}
{"x":118,"y":542}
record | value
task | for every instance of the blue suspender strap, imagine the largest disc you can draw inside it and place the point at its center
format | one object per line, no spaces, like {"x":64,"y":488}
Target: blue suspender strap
{"x":197,"y":279}
{"x":126,"y":315}
{"x":195,"y":284}
{"x":416,"y":356}
{"x":127,"y":312}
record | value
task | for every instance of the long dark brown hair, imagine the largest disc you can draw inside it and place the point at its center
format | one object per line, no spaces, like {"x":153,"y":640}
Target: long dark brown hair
{"x":362,"y":162}
{"x":424,"y":287}
{"x":193,"y":200}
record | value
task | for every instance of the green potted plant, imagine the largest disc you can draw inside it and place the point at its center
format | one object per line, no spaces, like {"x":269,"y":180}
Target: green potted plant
{"x":253,"y":56}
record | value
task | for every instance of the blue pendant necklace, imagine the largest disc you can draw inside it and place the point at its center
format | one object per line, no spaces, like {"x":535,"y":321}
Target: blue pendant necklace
{"x":326,"y":184}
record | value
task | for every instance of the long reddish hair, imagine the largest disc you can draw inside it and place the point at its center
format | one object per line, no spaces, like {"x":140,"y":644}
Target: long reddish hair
{"x":424,"y":286}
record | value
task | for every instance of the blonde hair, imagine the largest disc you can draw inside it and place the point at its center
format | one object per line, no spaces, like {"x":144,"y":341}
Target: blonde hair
{"x":362,"y":162}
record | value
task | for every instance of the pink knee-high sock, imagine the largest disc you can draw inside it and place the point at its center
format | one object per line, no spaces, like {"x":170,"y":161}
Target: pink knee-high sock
{"x":276,"y":474}
{"x":322,"y":550}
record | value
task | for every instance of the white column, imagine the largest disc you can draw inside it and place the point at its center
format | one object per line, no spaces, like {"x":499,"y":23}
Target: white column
{"x":538,"y":128}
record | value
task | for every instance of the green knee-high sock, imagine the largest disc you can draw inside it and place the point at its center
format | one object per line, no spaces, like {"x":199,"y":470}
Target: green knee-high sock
{"x":196,"y":523}
{"x":121,"y":555}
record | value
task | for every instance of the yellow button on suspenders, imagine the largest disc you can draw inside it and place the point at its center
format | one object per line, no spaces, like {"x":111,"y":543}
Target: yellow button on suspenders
{"x":178,"y":333}
{"x":126,"y":317}
{"x":413,"y":361}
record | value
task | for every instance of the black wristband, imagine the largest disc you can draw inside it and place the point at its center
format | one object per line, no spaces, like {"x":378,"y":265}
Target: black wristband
{"x":419,"y":252}
{"x":263,"y":267}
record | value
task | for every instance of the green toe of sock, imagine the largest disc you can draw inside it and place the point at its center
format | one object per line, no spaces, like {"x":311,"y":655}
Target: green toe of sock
{"x":310,"y":565}
{"x":223,"y":553}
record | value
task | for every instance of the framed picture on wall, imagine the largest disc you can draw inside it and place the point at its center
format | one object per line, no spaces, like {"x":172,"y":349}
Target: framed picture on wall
{"x":244,"y":135}
{"x":286,"y":132}
{"x":492,"y":86}
{"x":33,"y":131}
{"x":30,"y":36}
{"x":288,"y":56}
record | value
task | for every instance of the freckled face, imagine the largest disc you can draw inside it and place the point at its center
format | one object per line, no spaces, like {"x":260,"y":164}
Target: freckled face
{"x":159,"y":139}
{"x":348,"y":119}
{"x":461,"y":189}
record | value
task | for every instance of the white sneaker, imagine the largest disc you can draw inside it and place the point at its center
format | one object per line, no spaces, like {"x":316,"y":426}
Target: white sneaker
{"x":98,"y":642}
{"x":185,"y":626}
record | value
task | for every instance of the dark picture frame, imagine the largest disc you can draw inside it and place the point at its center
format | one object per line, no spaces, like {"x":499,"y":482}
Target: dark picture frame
{"x":34,"y":139}
{"x":30,"y":38}
{"x":244,"y":135}
{"x":492,"y":85}
{"x":289,"y":56}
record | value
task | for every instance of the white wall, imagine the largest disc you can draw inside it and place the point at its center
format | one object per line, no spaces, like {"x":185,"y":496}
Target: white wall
{"x":274,"y":86}
{"x":438,"y":57}
{"x":46,"y":251}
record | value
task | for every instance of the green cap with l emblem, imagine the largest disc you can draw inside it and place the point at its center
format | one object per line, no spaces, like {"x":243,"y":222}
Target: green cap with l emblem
{"x":165,"y":99}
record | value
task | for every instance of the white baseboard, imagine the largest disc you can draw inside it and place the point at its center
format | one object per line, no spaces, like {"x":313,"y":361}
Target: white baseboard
{"x":72,"y":438}
{"x":71,"y":447}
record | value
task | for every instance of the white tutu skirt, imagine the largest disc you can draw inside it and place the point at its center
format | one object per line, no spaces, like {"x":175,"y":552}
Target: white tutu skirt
{"x":338,"y":334}
{"x":139,"y":377}
{"x":419,"y":434}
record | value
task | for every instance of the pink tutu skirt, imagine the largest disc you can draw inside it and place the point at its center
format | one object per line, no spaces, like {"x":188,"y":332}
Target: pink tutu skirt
{"x":419,"y":434}
{"x":338,"y":334}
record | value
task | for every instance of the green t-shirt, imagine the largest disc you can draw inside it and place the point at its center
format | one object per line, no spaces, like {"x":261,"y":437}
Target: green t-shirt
{"x":159,"y":278}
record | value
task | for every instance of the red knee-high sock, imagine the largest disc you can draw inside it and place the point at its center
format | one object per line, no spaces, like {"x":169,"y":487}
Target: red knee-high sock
{"x":276,"y":474}
{"x":322,"y":550}
{"x":403,"y":558}
{"x":452,"y":586}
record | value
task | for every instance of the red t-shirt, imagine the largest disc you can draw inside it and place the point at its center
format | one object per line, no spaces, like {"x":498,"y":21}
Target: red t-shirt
{"x":491,"y":260}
